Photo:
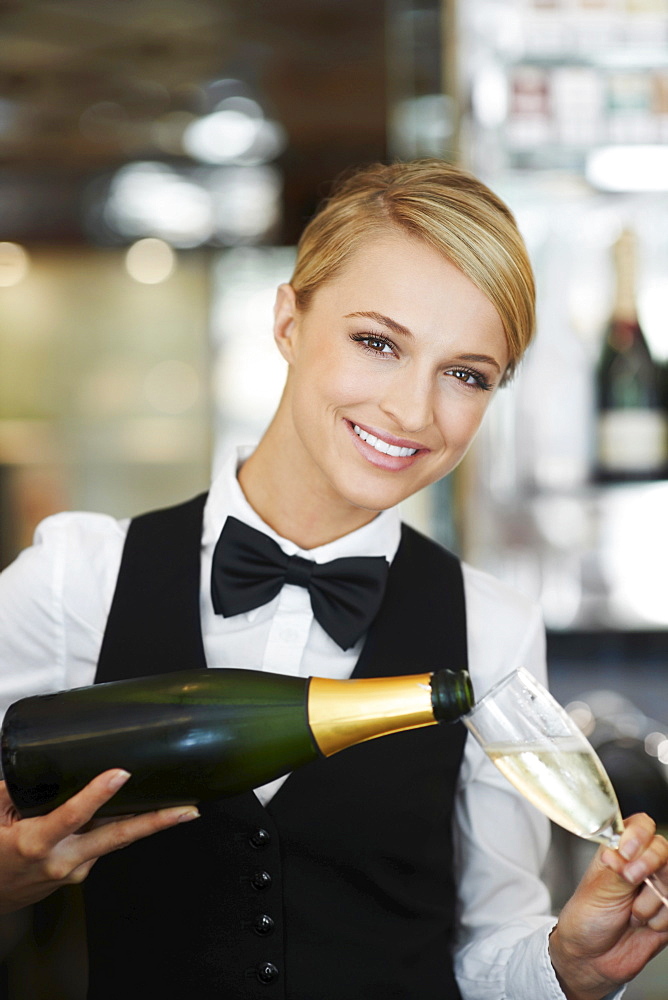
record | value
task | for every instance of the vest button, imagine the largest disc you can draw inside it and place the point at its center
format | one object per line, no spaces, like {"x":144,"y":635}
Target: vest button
{"x":263,"y":924}
{"x":259,"y":839}
{"x":261,"y":880}
{"x":266,"y":972}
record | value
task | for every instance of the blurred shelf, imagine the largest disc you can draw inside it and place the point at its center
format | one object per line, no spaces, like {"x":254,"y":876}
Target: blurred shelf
{"x":601,"y":646}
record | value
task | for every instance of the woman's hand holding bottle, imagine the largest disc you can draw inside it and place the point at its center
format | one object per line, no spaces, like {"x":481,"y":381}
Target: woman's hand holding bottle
{"x":40,"y":854}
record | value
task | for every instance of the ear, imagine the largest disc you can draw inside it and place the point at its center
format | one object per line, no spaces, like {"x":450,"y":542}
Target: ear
{"x":286,"y":321}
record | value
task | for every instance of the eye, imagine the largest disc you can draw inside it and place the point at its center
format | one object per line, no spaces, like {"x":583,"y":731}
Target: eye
{"x":471,"y":377}
{"x":375,"y":344}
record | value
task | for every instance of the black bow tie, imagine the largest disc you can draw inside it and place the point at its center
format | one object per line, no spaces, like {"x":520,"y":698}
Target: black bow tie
{"x":249,"y":569}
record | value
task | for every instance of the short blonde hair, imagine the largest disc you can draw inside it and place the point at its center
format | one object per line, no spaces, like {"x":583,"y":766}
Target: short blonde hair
{"x":443,"y":205}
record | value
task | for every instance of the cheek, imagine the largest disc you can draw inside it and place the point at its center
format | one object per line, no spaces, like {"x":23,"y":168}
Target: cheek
{"x":351,"y":385}
{"x":335,"y":381}
{"x":459,"y":418}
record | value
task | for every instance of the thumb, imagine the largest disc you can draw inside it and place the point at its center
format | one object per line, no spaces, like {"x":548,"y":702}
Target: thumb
{"x":608,"y":878}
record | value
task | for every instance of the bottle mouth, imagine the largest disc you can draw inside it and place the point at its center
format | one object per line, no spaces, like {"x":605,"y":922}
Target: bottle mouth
{"x":451,"y":694}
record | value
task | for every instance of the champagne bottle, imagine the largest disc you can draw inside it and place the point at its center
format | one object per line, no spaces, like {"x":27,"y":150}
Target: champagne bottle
{"x":195,"y":735}
{"x":632,"y":438}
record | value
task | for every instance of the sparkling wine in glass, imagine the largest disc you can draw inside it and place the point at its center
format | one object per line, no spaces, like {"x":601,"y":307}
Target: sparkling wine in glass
{"x":542,"y":752}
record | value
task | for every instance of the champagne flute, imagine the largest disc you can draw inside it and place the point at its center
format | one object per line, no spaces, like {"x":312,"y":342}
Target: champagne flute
{"x":542,"y":752}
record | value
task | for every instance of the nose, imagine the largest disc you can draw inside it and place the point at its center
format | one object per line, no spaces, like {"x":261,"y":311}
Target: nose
{"x":407,"y":400}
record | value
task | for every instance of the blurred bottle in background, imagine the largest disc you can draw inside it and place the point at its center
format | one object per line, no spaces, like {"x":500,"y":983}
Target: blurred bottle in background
{"x":632,"y":438}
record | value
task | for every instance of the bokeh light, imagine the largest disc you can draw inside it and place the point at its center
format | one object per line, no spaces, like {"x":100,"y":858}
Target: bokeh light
{"x":150,"y":261}
{"x":14,"y":264}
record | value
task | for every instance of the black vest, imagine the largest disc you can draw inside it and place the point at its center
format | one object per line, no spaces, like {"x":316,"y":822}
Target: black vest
{"x":342,"y":888}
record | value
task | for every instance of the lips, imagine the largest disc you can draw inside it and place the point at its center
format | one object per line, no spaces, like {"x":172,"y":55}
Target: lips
{"x":385,"y":452}
{"x":384,"y":447}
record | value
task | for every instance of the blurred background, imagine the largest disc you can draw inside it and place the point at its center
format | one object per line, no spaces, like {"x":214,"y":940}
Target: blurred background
{"x":158,"y":159}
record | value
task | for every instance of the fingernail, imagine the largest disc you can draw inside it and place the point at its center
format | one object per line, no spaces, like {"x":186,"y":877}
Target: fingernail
{"x":118,"y":779}
{"x":628,"y":849}
{"x":188,"y":815}
{"x":635,"y":872}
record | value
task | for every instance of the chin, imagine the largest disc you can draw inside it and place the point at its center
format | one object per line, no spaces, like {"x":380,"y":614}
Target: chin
{"x":372,"y":500}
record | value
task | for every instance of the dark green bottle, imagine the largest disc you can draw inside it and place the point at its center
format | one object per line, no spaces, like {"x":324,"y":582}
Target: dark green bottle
{"x":201,"y":734}
{"x":632,"y":431}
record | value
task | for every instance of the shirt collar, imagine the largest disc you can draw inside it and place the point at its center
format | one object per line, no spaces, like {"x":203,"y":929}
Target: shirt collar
{"x":379,"y":537}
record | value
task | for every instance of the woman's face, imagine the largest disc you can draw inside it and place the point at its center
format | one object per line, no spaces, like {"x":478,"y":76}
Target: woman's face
{"x":391,"y":369}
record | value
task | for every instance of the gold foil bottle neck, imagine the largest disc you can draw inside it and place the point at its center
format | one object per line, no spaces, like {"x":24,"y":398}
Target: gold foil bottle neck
{"x":342,"y":713}
{"x":625,"y":254}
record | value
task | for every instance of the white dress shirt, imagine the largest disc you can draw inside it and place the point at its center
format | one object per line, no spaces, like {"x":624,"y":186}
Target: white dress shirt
{"x":54,"y":602}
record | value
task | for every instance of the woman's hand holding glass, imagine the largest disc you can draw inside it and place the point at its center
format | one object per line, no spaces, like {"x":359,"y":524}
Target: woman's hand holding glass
{"x":617,"y":919}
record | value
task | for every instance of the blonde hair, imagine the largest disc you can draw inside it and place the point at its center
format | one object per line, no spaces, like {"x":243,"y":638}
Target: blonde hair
{"x":441,"y":204}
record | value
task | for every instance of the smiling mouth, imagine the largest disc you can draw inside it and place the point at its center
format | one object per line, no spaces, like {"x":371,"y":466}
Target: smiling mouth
{"x":382,"y":446}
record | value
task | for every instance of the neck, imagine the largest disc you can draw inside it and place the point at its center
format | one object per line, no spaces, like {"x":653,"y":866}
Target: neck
{"x":299,"y":507}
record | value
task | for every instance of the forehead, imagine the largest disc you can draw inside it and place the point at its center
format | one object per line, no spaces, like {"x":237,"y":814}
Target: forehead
{"x":404,"y":277}
{"x":393,"y":259}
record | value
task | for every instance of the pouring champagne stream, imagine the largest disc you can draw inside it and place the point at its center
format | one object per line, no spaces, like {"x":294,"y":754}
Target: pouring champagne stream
{"x":542,"y":752}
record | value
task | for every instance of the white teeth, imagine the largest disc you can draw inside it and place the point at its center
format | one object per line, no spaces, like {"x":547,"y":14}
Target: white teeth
{"x":383,"y":446}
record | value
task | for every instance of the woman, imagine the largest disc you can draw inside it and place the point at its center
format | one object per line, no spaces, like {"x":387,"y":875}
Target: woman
{"x":406,"y":867}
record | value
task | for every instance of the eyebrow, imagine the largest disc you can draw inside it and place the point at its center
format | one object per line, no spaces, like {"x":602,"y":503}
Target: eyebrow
{"x":483,"y":358}
{"x":392,"y":324}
